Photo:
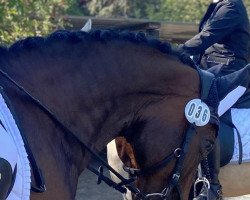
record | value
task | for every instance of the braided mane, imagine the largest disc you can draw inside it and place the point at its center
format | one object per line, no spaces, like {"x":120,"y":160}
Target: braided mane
{"x":73,"y":37}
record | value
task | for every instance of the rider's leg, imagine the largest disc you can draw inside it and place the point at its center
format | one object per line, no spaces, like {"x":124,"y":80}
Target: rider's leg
{"x":211,"y":168}
{"x":5,"y":178}
{"x":214,"y":169}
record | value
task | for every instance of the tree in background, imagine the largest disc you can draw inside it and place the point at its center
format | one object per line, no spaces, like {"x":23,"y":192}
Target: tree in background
{"x":121,"y":8}
{"x":78,"y":7}
{"x":108,"y":8}
{"x":163,"y":10}
{"x":178,"y":10}
{"x":247,"y":4}
{"x":167,"y":10}
{"x":22,"y":18}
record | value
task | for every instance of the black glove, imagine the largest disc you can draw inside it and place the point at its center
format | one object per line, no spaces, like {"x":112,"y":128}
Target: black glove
{"x":185,"y":57}
{"x":178,"y":49}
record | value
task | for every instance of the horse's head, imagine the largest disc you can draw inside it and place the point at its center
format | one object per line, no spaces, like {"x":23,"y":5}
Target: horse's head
{"x":167,"y":148}
{"x":157,"y":150}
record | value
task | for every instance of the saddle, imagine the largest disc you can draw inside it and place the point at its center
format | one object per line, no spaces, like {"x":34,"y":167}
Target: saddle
{"x":226,"y":131}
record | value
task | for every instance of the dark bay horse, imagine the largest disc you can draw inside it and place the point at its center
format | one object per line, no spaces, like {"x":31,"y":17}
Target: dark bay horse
{"x":101,"y":84}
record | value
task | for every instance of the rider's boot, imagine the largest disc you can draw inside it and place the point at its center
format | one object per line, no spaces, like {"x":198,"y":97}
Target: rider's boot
{"x":5,"y":178}
{"x":212,"y":168}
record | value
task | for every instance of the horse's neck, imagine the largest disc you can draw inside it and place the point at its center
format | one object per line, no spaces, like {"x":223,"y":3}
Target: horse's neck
{"x":96,"y":96}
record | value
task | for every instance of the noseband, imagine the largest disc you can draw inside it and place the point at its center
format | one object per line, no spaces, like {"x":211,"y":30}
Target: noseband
{"x":179,"y":154}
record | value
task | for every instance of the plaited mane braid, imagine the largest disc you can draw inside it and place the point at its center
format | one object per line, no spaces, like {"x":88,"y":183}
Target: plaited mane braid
{"x":95,"y":35}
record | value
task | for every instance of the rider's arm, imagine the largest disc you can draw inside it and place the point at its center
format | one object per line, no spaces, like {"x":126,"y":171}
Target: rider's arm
{"x":224,"y":22}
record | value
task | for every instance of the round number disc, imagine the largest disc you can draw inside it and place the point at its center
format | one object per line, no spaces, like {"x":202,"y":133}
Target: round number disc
{"x":197,"y":112}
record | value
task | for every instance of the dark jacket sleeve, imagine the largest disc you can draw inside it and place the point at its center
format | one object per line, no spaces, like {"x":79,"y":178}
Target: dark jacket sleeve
{"x":224,"y":21}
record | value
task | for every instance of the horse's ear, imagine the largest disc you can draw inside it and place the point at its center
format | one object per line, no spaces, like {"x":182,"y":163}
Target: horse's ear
{"x":231,"y":87}
{"x":87,"y":26}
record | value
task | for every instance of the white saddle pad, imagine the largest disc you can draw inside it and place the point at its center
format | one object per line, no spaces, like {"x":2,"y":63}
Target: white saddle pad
{"x":241,"y":119}
{"x":14,"y":152}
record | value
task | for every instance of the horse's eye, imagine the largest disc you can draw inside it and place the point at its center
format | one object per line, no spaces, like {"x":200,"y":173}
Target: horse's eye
{"x":209,"y":144}
{"x":206,"y":147}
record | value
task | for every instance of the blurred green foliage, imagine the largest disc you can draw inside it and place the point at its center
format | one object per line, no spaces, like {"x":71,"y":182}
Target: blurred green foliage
{"x":164,"y":10}
{"x":178,"y":10}
{"x":22,"y":18}
{"x":77,"y":7}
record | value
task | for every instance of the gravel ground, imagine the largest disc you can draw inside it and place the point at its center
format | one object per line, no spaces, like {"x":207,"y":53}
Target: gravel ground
{"x":89,"y":190}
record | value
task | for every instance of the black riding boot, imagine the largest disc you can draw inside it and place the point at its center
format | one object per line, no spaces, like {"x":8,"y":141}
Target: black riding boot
{"x":5,"y":178}
{"x":211,"y":168}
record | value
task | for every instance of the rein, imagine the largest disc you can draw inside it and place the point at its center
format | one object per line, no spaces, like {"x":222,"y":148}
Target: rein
{"x":38,"y":173}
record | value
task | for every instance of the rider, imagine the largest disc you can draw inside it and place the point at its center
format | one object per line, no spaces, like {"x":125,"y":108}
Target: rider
{"x":222,"y":47}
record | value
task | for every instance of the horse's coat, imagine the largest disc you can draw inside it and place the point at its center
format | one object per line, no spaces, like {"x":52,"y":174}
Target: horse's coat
{"x":100,"y":84}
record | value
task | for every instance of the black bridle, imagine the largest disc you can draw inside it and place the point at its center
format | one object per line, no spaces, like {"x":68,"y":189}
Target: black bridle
{"x":179,"y":154}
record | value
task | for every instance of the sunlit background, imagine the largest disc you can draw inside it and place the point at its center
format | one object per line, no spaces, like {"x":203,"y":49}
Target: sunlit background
{"x":21,"y":18}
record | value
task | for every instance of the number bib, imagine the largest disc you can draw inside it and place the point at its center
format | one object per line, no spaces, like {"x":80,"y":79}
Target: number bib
{"x":197,"y":112}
